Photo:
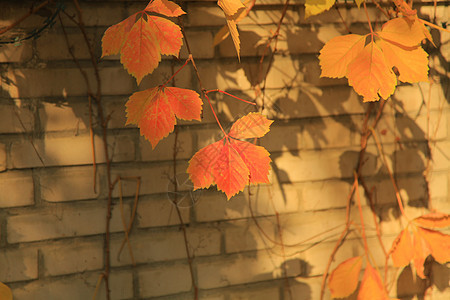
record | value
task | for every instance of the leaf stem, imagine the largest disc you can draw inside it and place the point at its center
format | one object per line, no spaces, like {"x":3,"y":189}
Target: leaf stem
{"x":228,"y":94}
{"x":368,"y":20}
{"x":175,"y":74}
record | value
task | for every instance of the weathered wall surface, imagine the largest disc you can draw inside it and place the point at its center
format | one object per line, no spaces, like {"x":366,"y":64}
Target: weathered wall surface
{"x":53,"y":219}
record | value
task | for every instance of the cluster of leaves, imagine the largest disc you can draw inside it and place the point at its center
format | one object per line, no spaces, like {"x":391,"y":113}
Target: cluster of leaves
{"x":140,"y":40}
{"x":344,"y":279}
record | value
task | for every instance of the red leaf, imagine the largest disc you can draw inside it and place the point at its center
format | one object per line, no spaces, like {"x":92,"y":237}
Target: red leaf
{"x":253,"y":125}
{"x":154,"y":110}
{"x":433,"y":220}
{"x":438,"y":243}
{"x":141,"y":43}
{"x":165,"y":7}
{"x":344,"y":279}
{"x":230,"y":163}
{"x":141,"y":53}
{"x":371,"y":286}
{"x":402,"y":249}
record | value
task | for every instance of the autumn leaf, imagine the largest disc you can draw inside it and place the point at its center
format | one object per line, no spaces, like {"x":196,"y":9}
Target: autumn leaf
{"x":315,"y":7}
{"x":438,"y":243}
{"x":344,"y":279}
{"x":230,"y":163}
{"x":338,"y":53}
{"x":371,"y":286}
{"x":142,"y":38}
{"x":402,"y":32}
{"x":358,"y":2}
{"x":5,"y":292}
{"x":253,"y":125}
{"x":433,"y":220}
{"x":230,"y":7}
{"x":370,"y":75}
{"x":234,"y":35}
{"x":421,"y":252}
{"x":402,"y":250}
{"x":154,"y":110}
{"x":412,"y":64}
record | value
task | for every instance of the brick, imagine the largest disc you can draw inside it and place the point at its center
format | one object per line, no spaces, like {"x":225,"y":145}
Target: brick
{"x":227,"y":271}
{"x":17,"y":189}
{"x":11,"y":12}
{"x":16,"y":53}
{"x":164,"y":281}
{"x":165,"y":246}
{"x":160,"y":211}
{"x":323,"y":195}
{"x":71,"y":150}
{"x":155,"y":179}
{"x":73,"y":116}
{"x":408,"y":96}
{"x":53,"y":46}
{"x":62,"y":221}
{"x":305,"y":288}
{"x":260,"y":294}
{"x":282,"y":137}
{"x":212,"y":206}
{"x":164,"y":149}
{"x":411,"y":159}
{"x":99,"y":14}
{"x":115,"y":109}
{"x":73,"y":257}
{"x":18,"y":264}
{"x":81,"y":286}
{"x":2,"y":157}
{"x":245,"y":235}
{"x":201,"y":43}
{"x":438,"y":185}
{"x":16,"y":117}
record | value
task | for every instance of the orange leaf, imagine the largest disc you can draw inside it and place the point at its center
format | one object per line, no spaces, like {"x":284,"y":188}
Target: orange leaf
{"x":402,"y":249}
{"x":230,"y":7}
{"x":5,"y":292}
{"x":433,"y":220}
{"x":403,"y":32}
{"x":141,"y":43}
{"x":234,"y":35}
{"x":411,"y":64}
{"x":115,"y":36}
{"x":338,"y":53}
{"x":154,"y":110}
{"x":253,"y":125}
{"x":438,"y":243}
{"x":344,"y":279}
{"x":165,"y":7}
{"x":421,"y":252}
{"x":256,"y":158}
{"x":141,"y":53}
{"x":231,"y":164}
{"x":370,"y":75}
{"x":371,"y":286}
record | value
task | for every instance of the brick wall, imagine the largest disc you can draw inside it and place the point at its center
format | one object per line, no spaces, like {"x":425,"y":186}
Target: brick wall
{"x":53,"y":219}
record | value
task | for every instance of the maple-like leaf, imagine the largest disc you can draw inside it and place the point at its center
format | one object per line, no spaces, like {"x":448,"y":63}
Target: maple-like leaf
{"x":338,"y":53}
{"x":438,"y":243}
{"x":230,"y":163}
{"x":421,"y":252}
{"x":344,"y":279}
{"x":402,"y":250}
{"x":315,"y":7}
{"x":230,"y":7}
{"x":5,"y":292}
{"x":371,"y":286}
{"x":142,"y":38}
{"x":154,"y":110}
{"x":370,"y":75}
{"x":433,"y":220}
{"x":412,"y":64}
{"x":403,"y":32}
{"x":231,"y":23}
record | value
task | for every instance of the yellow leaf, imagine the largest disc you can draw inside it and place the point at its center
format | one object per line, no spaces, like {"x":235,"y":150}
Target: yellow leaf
{"x":234,"y":35}
{"x":371,"y":286}
{"x":315,"y":7}
{"x":438,"y":243}
{"x":344,"y":279}
{"x":230,"y":7}
{"x":402,"y":31}
{"x":338,"y":53}
{"x":370,"y":75}
{"x":5,"y":292}
{"x":402,"y":250}
{"x":358,"y":2}
{"x":411,"y":64}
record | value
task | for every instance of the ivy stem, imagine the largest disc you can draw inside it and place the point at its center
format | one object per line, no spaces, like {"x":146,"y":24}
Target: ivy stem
{"x":363,"y":230}
{"x":175,"y":74}
{"x":368,"y":20}
{"x":214,"y":113}
{"x":228,"y":94}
